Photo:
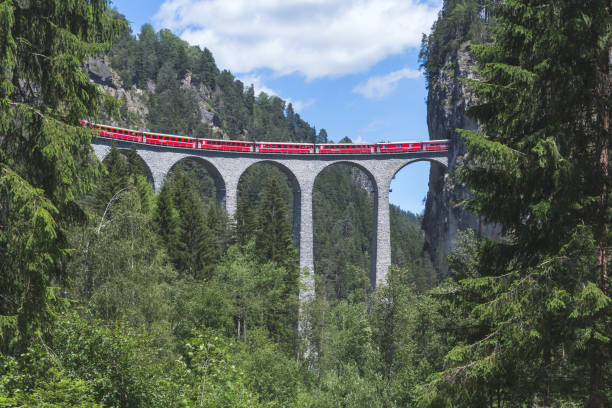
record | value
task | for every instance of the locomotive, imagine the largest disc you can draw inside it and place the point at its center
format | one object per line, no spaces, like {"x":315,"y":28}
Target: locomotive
{"x":136,"y":136}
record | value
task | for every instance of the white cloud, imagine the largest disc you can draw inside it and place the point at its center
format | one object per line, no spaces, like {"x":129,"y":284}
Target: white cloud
{"x":299,"y":106}
{"x":259,"y":86}
{"x":374,"y":126}
{"x":380,"y":86}
{"x":257,"y":82}
{"x":315,"y":38}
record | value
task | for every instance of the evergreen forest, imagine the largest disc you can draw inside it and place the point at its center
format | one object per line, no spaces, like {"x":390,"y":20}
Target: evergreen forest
{"x":114,"y":296}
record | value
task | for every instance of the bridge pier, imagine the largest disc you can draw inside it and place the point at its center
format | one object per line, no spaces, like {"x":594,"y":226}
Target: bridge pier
{"x":231,"y":195}
{"x":381,"y":240}
{"x":306,"y":242}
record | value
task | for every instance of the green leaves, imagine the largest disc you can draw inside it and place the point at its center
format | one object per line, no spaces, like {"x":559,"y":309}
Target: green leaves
{"x":538,"y":168}
{"x":45,"y":157}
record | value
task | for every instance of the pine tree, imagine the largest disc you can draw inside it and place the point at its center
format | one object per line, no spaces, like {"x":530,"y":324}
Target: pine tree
{"x":245,"y":221}
{"x":134,"y":162}
{"x":115,"y":179}
{"x":45,"y":157}
{"x":168,"y":222}
{"x":539,"y":297}
{"x":273,"y":237}
{"x":273,"y":245}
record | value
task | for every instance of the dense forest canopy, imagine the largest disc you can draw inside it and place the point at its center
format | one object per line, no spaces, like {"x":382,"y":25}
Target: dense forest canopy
{"x":111,"y":295}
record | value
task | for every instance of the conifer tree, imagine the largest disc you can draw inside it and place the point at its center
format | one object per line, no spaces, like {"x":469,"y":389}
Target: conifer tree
{"x":45,"y":159}
{"x":273,"y":236}
{"x":134,"y":161}
{"x":115,"y":179}
{"x":540,"y":296}
{"x":245,"y":221}
{"x":273,"y":244}
{"x":168,"y":223}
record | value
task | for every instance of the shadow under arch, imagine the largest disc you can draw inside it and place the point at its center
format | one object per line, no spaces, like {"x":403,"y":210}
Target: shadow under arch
{"x":372,"y":192}
{"x":294,"y":185}
{"x":211,"y":170}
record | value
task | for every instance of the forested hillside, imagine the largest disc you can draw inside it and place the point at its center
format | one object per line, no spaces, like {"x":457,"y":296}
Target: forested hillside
{"x":112,"y":296}
{"x":183,"y":92}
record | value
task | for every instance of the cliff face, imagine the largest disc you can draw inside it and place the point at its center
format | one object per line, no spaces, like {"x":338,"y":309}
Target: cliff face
{"x":447,"y":101}
{"x":134,"y":110}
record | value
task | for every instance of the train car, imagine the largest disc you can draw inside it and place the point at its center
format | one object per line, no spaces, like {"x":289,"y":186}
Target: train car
{"x":264,"y":147}
{"x":226,"y":145}
{"x":284,"y":147}
{"x":398,"y":147}
{"x":435,"y":145}
{"x":168,"y":140}
{"x":345,"y":148}
{"x":116,"y":133}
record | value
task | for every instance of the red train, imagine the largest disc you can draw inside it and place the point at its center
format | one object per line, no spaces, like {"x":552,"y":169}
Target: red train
{"x":266,"y":147}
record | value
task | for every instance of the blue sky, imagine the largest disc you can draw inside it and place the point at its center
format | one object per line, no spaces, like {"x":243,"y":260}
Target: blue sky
{"x":349,"y":66}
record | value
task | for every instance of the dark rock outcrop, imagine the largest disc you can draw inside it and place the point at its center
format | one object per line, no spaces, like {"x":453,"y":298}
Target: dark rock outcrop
{"x":447,"y":101}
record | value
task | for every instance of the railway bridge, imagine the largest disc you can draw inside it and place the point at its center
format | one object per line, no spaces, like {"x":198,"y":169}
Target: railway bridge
{"x":226,"y":169}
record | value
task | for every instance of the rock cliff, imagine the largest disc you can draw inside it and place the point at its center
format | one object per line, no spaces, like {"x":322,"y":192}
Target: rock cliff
{"x":447,"y":101}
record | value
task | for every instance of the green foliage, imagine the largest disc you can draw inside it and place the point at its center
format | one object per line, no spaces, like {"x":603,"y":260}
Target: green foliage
{"x":37,"y":379}
{"x":219,"y":382}
{"x":342,"y":221}
{"x":122,"y":364}
{"x":44,"y":154}
{"x":458,"y":22}
{"x":538,"y":331}
{"x":119,"y":268}
{"x":271,"y":373}
{"x":273,"y":234}
{"x":195,"y":236}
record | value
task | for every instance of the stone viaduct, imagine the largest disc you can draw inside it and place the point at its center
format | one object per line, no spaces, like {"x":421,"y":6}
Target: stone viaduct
{"x":226,"y":169}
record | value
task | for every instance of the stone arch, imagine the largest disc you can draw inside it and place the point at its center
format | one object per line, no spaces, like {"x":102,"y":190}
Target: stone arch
{"x":438,"y":168}
{"x":295,"y":188}
{"x":211,"y":169}
{"x":441,"y":163}
{"x":376,"y":180}
{"x":102,"y":151}
{"x":368,"y":172}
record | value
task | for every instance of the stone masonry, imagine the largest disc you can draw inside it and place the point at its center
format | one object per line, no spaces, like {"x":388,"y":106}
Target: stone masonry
{"x":302,"y":170}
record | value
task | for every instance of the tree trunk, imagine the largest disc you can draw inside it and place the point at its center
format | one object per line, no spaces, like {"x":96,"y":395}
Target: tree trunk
{"x":597,"y":397}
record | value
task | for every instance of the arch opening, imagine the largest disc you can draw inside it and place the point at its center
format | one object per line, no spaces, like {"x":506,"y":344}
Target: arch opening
{"x":407,"y":207}
{"x":344,"y":208}
{"x":253,"y":183}
{"x":143,"y":167}
{"x":203,"y":176}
